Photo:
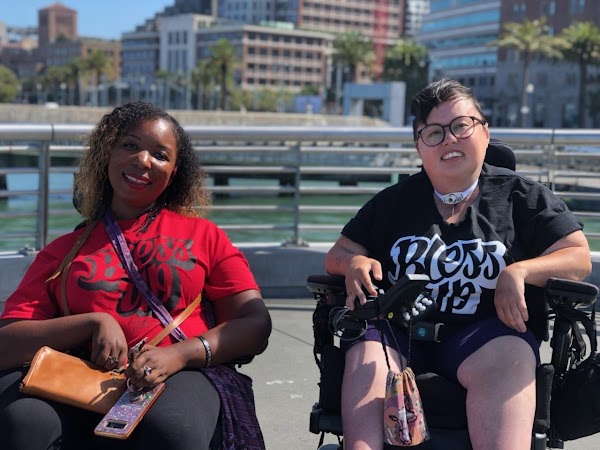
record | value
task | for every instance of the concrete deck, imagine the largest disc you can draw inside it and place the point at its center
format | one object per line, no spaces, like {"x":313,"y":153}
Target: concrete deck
{"x":285,"y":375}
{"x":285,"y":380}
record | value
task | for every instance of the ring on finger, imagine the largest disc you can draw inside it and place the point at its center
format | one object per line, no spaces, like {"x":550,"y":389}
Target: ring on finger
{"x":131,"y":388}
{"x":112,"y":360}
{"x":147,"y":370}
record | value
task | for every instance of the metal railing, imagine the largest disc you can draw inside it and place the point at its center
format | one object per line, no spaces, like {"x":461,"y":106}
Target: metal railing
{"x":313,"y":167}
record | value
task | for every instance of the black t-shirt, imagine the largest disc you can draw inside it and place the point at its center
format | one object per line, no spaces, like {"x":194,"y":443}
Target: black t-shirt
{"x":512,"y":219}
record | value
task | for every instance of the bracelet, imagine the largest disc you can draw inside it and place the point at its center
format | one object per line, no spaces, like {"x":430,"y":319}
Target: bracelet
{"x":207,"y":349}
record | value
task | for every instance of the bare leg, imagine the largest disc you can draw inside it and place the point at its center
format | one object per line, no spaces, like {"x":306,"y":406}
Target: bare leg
{"x":500,"y":383}
{"x":363,"y":392}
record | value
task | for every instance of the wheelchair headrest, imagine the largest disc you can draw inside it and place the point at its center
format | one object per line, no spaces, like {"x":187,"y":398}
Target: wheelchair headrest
{"x":500,"y":155}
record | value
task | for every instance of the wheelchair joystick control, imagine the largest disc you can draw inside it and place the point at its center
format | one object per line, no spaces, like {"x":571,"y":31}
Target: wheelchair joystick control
{"x":405,"y":299}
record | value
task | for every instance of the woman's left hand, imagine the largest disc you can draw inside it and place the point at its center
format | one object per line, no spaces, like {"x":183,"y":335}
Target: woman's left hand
{"x":509,"y":298}
{"x":154,"y":365}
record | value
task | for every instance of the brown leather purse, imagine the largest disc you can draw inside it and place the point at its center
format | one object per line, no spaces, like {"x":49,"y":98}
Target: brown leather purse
{"x":64,"y":378}
{"x":67,"y":379}
{"x":74,"y":381}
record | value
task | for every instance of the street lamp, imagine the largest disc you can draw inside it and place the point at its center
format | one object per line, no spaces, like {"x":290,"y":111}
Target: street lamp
{"x":38,"y":89}
{"x":63,"y":87}
{"x":152,"y":93}
{"x":525,"y":108}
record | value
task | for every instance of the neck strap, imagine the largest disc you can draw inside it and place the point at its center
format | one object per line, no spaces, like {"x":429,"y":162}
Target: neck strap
{"x":456,"y":197}
{"x":120,"y":245}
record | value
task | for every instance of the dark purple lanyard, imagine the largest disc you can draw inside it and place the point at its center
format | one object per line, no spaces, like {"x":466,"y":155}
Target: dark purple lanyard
{"x":120,"y":245}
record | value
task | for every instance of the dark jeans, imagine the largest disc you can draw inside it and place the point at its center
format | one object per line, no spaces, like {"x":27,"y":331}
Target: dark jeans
{"x":185,"y":416}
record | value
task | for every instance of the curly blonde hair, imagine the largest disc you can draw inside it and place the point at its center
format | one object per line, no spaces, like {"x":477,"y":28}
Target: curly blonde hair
{"x":186,"y":194}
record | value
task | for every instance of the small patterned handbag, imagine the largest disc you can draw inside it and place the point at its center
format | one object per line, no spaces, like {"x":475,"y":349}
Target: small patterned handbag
{"x":404,"y":422}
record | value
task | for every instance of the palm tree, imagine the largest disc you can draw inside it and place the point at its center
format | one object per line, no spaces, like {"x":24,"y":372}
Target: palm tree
{"x":529,"y":38}
{"x":99,"y":64}
{"x":77,"y":68}
{"x":225,"y":60}
{"x":353,"y":50}
{"x":164,"y":77}
{"x":594,"y":108}
{"x":583,"y":48}
{"x":409,"y":62}
{"x":202,"y":77}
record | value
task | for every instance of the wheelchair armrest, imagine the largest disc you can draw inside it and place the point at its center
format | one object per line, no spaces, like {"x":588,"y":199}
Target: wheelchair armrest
{"x":326,"y":283}
{"x":329,"y":289}
{"x":568,"y":293}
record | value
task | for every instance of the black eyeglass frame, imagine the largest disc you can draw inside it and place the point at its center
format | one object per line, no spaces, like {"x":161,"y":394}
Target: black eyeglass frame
{"x":473,"y":118}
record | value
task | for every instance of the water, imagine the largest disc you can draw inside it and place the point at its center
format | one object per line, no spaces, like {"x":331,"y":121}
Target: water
{"x":58,"y":181}
{"x":28,"y":203}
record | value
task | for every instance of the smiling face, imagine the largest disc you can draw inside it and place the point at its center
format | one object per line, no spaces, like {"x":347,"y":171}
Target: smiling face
{"x":454,"y":164}
{"x":142,"y":164}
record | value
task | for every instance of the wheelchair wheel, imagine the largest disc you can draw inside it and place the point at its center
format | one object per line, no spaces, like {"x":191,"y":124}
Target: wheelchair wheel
{"x":561,"y":346}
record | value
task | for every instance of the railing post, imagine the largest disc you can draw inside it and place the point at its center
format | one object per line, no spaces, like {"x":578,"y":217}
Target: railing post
{"x":552,"y":163}
{"x":297,"y":158}
{"x":44,"y":186}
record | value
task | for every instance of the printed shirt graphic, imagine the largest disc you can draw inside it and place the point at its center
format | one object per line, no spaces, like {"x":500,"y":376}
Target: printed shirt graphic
{"x":178,"y":257}
{"x":511,"y":219}
{"x":459,"y":272}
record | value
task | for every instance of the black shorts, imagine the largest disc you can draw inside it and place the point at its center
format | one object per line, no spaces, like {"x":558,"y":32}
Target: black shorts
{"x":444,"y":357}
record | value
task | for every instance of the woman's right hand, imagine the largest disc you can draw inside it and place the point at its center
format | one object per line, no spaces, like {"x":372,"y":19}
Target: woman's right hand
{"x":358,"y":275}
{"x":109,"y":346}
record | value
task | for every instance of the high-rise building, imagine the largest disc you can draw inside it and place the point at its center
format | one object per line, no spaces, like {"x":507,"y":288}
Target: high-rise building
{"x":458,"y":34}
{"x":332,"y":16}
{"x":551,"y":91}
{"x":56,"y":22}
{"x":204,"y":7}
{"x":414,"y":10}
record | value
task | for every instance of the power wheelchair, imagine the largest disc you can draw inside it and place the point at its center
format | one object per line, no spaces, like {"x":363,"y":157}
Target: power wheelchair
{"x":447,"y":420}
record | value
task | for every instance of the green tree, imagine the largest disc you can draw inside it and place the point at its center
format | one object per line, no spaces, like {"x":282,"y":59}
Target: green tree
{"x":77,"y":70}
{"x":594,"y":108}
{"x":354,"y":51}
{"x":529,"y":38}
{"x":409,"y":62}
{"x":310,"y":89}
{"x":55,"y":80}
{"x":583,"y":48}
{"x":164,"y":78}
{"x":241,"y":99}
{"x":224,"y":58}
{"x":98,"y":64}
{"x":203,"y":76}
{"x":9,"y":85}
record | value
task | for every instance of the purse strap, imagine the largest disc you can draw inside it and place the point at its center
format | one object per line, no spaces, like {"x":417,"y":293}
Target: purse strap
{"x":176,"y":321}
{"x":66,"y":264}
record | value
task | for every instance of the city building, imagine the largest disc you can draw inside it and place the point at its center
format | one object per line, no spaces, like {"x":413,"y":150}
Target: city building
{"x":414,"y":11}
{"x":458,"y":34}
{"x":56,"y":22}
{"x":17,"y":49}
{"x":276,"y":56}
{"x":381,"y":21}
{"x":551,"y":99}
{"x":272,"y":54}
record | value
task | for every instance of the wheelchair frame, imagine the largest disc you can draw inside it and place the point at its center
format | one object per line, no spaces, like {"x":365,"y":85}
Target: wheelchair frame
{"x":561,"y":296}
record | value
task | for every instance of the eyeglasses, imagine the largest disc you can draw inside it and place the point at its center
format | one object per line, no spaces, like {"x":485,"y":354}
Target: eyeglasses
{"x":461,"y":127}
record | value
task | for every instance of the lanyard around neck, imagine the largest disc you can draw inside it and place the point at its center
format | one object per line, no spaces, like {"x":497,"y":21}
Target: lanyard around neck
{"x":120,"y":245}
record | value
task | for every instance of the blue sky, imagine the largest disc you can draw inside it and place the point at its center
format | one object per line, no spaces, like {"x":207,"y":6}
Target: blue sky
{"x":95,"y":18}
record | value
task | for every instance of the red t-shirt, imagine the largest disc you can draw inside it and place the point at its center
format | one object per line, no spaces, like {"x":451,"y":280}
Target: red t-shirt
{"x":178,"y":257}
